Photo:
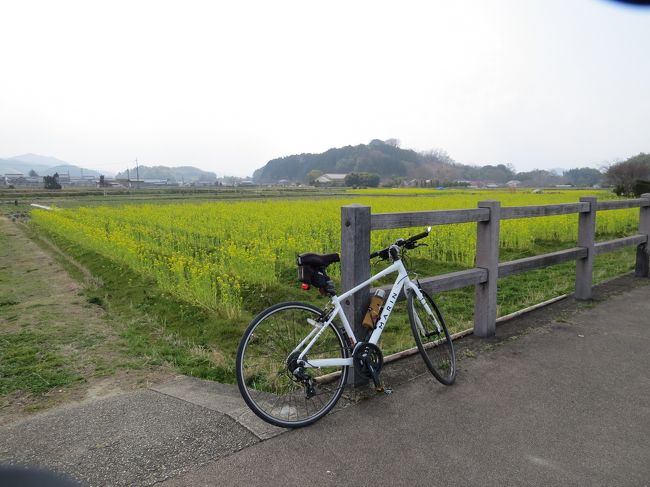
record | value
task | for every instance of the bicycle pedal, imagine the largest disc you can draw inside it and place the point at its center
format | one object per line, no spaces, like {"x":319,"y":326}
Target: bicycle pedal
{"x":386,"y":390}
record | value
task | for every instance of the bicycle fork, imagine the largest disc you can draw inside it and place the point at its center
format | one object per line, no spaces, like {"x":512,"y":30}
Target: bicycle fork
{"x":418,"y":322}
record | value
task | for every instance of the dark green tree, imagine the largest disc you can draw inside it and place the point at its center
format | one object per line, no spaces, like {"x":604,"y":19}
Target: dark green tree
{"x":313,"y":175}
{"x":539,"y":177}
{"x":641,"y":187}
{"x":584,"y":176}
{"x":353,"y":179}
{"x":370,"y":180}
{"x":51,"y":182}
{"x":500,"y":173}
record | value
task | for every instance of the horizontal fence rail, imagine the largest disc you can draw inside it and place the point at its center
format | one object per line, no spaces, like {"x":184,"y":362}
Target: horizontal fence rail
{"x":357,"y":222}
{"x":622,"y":204}
{"x":386,"y":221}
{"x":544,"y":260}
{"x":510,"y":212}
{"x":619,"y":243}
{"x":446,"y":282}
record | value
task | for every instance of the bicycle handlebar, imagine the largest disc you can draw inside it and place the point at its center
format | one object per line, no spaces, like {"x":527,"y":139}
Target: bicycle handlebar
{"x":419,"y":235}
{"x":383,"y":253}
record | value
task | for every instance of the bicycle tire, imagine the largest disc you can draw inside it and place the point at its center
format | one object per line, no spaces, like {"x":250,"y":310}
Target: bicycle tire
{"x":265,"y":382}
{"x":435,"y":347}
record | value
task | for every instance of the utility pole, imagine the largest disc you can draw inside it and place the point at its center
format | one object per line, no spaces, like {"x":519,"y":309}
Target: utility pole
{"x":137,"y":173}
{"x":128,"y":176}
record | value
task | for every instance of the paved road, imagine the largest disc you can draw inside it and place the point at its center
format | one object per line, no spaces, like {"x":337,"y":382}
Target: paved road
{"x":559,"y":397}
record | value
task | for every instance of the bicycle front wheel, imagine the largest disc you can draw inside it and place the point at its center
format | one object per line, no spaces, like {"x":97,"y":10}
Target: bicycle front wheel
{"x":266,"y":362}
{"x":432,"y":338}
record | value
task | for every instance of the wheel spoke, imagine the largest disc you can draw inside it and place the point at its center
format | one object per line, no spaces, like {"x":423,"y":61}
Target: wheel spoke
{"x":432,"y":338}
{"x":265,"y":366}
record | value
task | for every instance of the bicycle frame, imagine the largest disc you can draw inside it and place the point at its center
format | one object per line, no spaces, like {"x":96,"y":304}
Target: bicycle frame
{"x":402,"y":282}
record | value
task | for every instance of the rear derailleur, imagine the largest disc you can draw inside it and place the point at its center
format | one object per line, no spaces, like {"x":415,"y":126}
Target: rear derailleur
{"x":299,"y":374}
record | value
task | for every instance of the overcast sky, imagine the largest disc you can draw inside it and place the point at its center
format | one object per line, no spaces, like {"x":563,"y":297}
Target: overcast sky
{"x":227,"y":86}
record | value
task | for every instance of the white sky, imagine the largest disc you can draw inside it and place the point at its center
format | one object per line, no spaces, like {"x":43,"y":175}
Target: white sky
{"x":227,"y":86}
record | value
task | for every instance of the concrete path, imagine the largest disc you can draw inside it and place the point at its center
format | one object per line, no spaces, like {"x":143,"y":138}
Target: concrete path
{"x":560,"y":397}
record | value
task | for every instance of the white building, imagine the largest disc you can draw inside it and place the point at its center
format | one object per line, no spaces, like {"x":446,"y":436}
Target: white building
{"x":331,"y":179}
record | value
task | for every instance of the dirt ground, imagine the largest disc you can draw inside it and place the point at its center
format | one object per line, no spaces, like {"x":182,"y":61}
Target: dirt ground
{"x":37,"y":295}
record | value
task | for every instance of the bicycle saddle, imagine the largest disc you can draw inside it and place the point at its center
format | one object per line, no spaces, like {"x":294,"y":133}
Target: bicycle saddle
{"x":319,"y":260}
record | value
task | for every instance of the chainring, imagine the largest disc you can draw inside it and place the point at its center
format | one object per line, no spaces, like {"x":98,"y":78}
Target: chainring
{"x":365,"y":355}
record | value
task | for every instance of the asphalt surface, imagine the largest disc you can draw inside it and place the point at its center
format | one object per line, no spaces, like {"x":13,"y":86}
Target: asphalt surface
{"x":559,"y":397}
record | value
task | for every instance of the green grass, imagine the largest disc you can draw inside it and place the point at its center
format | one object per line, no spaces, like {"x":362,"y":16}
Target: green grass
{"x":29,"y":360}
{"x":157,"y":326}
{"x":28,"y":363}
{"x":54,"y":342}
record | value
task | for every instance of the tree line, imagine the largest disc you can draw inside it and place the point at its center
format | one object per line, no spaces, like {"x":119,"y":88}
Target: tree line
{"x":394,"y":165}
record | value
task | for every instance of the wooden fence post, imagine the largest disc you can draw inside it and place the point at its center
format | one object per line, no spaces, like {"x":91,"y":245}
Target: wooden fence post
{"x":586,"y":239}
{"x":487,"y":257}
{"x":355,"y":268}
{"x":642,"y":268}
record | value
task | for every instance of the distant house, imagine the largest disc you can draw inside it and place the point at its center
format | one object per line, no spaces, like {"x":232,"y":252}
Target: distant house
{"x":19,"y":179}
{"x":154,"y":182}
{"x":331,"y":179}
{"x":204,"y":183}
{"x":87,"y":181}
{"x":513,"y":183}
{"x":12,"y":178}
{"x":412,"y":183}
{"x":141,"y":183}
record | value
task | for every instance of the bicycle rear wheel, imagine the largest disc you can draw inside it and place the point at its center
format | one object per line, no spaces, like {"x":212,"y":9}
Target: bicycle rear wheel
{"x":265,"y":362}
{"x":434,"y":344}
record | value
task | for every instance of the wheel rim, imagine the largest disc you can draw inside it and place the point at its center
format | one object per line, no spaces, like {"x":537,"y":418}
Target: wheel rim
{"x":267,"y":384}
{"x":435,"y":346}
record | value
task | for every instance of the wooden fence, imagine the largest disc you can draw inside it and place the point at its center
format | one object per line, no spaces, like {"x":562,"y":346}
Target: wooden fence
{"x":357,"y":222}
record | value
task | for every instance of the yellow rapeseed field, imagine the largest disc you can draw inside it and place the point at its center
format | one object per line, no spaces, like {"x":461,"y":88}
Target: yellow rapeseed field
{"x":205,"y":252}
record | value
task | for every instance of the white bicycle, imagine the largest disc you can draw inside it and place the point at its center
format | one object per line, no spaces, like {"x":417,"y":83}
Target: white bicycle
{"x":293,"y":359}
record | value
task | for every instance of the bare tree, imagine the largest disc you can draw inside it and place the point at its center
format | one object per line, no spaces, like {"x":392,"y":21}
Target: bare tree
{"x":624,"y":175}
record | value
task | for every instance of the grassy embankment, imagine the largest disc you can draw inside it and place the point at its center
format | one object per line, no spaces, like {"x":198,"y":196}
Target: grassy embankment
{"x":56,"y":345}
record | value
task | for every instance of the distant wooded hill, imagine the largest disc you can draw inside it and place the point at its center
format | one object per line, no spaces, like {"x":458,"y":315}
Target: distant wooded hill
{"x":393,"y":164}
{"x":385,"y":158}
{"x":186,"y":174}
{"x":43,"y":166}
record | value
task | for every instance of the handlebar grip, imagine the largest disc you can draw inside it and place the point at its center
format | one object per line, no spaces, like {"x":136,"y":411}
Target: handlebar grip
{"x":418,"y":236}
{"x":383,"y":254}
